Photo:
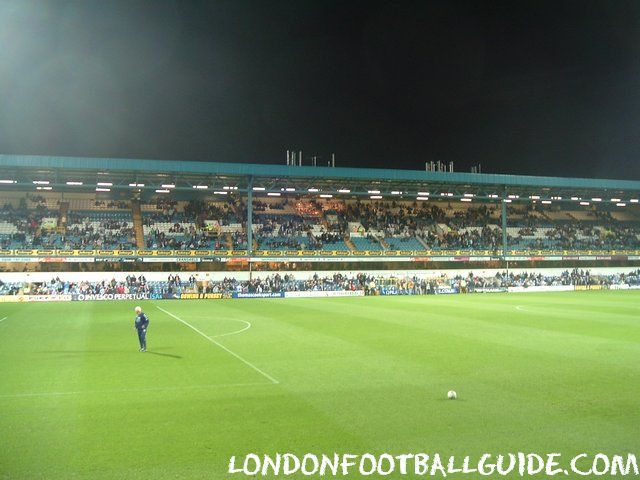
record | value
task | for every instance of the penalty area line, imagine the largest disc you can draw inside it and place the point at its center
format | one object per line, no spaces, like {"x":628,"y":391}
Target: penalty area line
{"x":218,"y":344}
{"x":3,"y":319}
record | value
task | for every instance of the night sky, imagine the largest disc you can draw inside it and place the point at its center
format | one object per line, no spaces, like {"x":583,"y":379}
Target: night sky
{"x":547,"y":88}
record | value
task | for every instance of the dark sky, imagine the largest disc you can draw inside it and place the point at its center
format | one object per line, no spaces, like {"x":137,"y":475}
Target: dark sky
{"x":536,"y":87}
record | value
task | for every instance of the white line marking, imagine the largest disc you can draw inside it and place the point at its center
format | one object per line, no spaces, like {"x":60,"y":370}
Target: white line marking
{"x":3,"y":319}
{"x":246,"y":362}
{"x":130,"y":390}
{"x":520,"y":308}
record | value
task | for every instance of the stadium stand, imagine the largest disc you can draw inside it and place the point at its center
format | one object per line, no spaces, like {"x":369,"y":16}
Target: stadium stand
{"x":85,"y":223}
{"x":192,"y":225}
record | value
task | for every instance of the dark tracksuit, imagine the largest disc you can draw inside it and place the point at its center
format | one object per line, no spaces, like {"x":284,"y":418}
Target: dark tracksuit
{"x":141,"y":324}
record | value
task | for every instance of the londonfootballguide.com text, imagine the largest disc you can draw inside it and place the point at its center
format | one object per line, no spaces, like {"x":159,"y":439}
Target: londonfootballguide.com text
{"x":434,"y":465}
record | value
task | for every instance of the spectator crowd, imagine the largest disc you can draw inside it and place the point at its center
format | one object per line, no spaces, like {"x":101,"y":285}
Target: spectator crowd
{"x":369,"y":284}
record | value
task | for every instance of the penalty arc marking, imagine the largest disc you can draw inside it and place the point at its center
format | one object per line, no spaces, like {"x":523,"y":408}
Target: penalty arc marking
{"x":248,"y":326}
{"x":218,"y":344}
{"x":235,"y":332}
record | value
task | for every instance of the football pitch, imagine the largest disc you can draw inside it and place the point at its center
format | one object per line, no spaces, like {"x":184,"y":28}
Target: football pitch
{"x":545,"y":372}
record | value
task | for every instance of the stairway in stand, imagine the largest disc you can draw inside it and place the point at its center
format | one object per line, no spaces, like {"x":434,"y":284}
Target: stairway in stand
{"x":137,"y":223}
{"x":61,"y":227}
{"x":349,"y":243}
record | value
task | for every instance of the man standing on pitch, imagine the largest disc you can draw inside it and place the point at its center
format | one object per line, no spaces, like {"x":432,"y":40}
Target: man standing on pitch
{"x":141,"y":324}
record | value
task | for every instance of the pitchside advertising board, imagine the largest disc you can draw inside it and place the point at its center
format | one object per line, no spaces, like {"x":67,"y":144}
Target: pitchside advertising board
{"x":442,"y":290}
{"x":258,"y":295}
{"x":490,"y":290}
{"x":82,"y":297}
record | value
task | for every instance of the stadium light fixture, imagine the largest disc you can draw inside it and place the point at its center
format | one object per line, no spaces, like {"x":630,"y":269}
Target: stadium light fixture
{"x":163,"y":190}
{"x":228,"y":187}
{"x":534,"y":197}
{"x":396,"y":192}
{"x":465,"y":199}
{"x":374,"y":192}
{"x":514,"y":196}
{"x":289,"y":189}
{"x":104,"y":184}
{"x":259,"y":189}
{"x":621,"y":204}
{"x":326,"y":195}
{"x":556,"y":198}
{"x":423,"y":194}
{"x":273,"y":194}
{"x":375,"y":197}
{"x":168,"y":185}
{"x":344,"y":190}
{"x":44,"y":188}
{"x":201,"y":187}
{"x":137,"y":185}
{"x":493,"y":195}
{"x":507,"y":200}
{"x":469,"y":195}
{"x":584,"y":203}
{"x":220,"y":192}
{"x":423,"y":198}
{"x":546,"y":202}
{"x":616,"y":200}
{"x":101,"y":189}
{"x":634,"y":200}
{"x":312,"y":190}
{"x":8,"y":181}
{"x":596,"y":199}
{"x":75,"y":183}
{"x":41,"y":182}
{"x":575,"y":199}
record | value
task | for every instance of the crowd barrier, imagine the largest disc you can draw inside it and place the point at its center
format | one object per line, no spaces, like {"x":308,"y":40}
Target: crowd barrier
{"x":383,"y":291}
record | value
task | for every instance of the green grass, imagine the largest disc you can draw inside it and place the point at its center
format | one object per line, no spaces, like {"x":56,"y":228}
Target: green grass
{"x":534,"y":372}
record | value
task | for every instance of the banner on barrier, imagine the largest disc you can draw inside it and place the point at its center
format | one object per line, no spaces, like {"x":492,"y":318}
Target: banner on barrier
{"x":83,"y":297}
{"x":11,"y":298}
{"x":48,"y":298}
{"x":446,"y":290}
{"x":259,"y":295}
{"x":205,"y":296}
{"x":590,"y":287}
{"x":34,"y":298}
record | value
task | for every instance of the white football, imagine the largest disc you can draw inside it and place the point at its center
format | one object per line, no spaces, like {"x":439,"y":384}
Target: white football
{"x":452,"y":395}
